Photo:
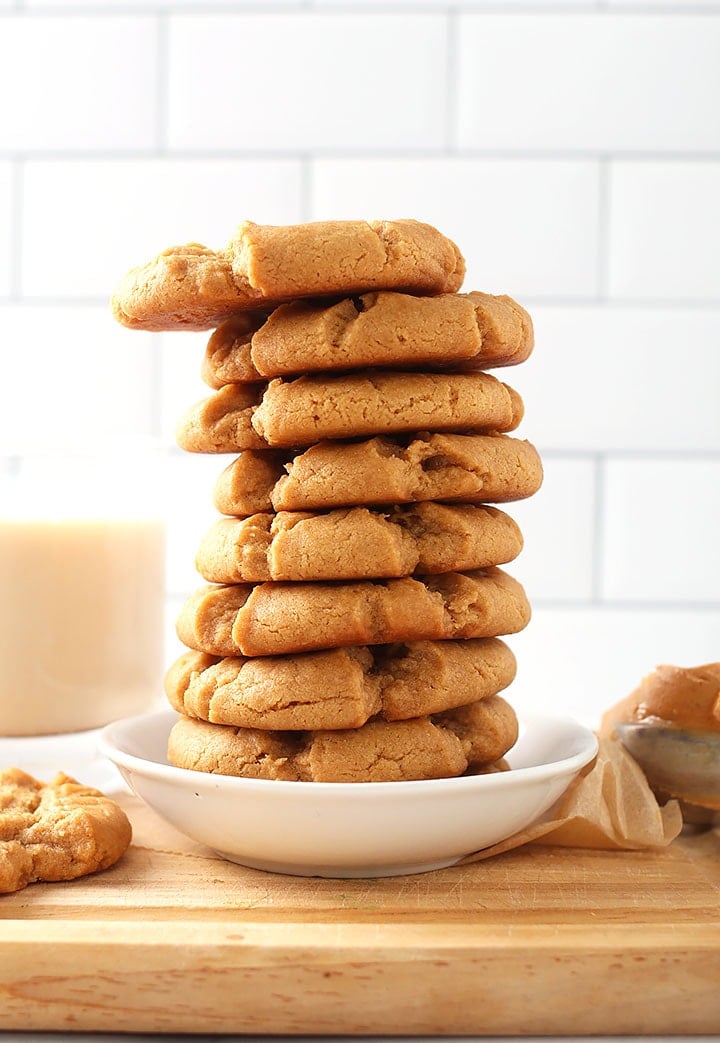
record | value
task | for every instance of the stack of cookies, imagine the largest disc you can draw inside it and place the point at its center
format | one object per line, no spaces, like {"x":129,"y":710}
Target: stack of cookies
{"x":350,"y":627}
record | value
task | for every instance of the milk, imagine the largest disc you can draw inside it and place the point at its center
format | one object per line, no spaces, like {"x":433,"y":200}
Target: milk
{"x":82,"y":590}
{"x":81,"y":622}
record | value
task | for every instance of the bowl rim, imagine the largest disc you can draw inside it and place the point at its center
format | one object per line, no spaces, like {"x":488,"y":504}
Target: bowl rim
{"x":583,"y":736}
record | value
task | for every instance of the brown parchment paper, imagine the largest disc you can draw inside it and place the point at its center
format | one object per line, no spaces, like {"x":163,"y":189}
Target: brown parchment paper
{"x":608,"y":806}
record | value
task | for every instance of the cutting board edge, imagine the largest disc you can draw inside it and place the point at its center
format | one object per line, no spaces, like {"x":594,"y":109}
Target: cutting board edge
{"x":309,"y":990}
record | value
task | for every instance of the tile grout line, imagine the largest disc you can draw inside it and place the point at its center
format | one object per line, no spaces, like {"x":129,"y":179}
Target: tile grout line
{"x":307,"y":177}
{"x":617,"y":302}
{"x":598,"y":530}
{"x":668,"y":455}
{"x":452,"y":95}
{"x":156,"y":378}
{"x":16,"y":229}
{"x":370,"y":154}
{"x":161,"y":83}
{"x":547,"y":7}
{"x":603,"y":217}
{"x":629,"y":605}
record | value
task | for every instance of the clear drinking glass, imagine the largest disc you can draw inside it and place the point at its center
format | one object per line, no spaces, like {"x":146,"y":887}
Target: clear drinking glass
{"x":82,"y":590}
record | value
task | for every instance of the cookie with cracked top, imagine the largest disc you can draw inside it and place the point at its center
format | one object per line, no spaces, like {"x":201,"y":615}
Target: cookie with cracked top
{"x":196,"y":288}
{"x":357,"y":543}
{"x":466,"y":331}
{"x":341,"y":687}
{"x":316,"y":407}
{"x":58,"y":830}
{"x":445,"y":467}
{"x":280,"y":618}
{"x":291,"y":413}
{"x":442,"y":746}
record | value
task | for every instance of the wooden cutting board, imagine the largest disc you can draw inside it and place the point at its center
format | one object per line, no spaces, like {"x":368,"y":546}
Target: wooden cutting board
{"x":540,"y":940}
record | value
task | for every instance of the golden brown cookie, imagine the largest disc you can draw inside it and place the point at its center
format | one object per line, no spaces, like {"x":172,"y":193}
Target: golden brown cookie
{"x":280,"y":618}
{"x":341,"y":687}
{"x":245,"y":485}
{"x":223,"y":422}
{"x":55,"y":831}
{"x":443,"y":746}
{"x":193,"y":287}
{"x":227,"y":358}
{"x":469,"y":468}
{"x":357,"y":543}
{"x":486,"y":729}
{"x":474,"y":330}
{"x":283,"y":414}
{"x":312,"y":408}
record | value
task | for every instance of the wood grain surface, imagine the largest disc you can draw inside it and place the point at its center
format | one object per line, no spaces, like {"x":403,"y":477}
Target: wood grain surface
{"x":540,"y":940}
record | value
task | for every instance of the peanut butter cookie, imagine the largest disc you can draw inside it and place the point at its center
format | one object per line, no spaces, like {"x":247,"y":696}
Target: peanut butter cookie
{"x":341,"y":687}
{"x":55,"y":831}
{"x":280,"y":618}
{"x":468,"y":331}
{"x":469,"y":468}
{"x":442,"y":746}
{"x":284,"y":414}
{"x":193,"y":287}
{"x":313,"y":408}
{"x":357,"y":543}
{"x":227,"y":358}
{"x":222,"y":423}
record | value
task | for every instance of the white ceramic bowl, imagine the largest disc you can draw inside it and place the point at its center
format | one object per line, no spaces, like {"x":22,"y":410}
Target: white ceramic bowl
{"x":349,"y":829}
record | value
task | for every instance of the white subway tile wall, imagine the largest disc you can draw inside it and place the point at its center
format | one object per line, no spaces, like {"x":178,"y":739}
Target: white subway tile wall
{"x":664,"y":230}
{"x":570,"y":147}
{"x":623,"y":377}
{"x":69,"y":377}
{"x":586,"y":82}
{"x":6,"y":221}
{"x":73,"y":82}
{"x":575,"y":660}
{"x":133,"y":209}
{"x":307,"y":81}
{"x":678,"y":503}
{"x":557,"y":562}
{"x":526,"y":224}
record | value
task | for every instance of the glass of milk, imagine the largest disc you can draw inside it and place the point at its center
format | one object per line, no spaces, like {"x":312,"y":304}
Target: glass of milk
{"x":82,"y":589}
